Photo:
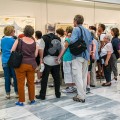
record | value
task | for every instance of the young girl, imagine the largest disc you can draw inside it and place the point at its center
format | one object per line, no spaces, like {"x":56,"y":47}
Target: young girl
{"x":67,"y":64}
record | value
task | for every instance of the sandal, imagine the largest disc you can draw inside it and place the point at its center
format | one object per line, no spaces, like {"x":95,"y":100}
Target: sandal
{"x":77,"y":99}
{"x":106,"y":84}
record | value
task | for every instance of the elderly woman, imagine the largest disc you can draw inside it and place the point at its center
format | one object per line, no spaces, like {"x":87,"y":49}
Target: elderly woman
{"x":28,"y":66}
{"x":6,"y":44}
{"x":106,"y":55}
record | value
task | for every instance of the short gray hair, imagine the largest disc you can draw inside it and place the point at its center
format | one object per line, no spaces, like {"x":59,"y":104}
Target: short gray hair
{"x":108,"y":37}
{"x":51,"y":28}
{"x":79,"y":19}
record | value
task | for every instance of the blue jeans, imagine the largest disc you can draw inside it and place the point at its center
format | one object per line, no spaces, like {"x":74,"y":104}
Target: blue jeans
{"x":8,"y":73}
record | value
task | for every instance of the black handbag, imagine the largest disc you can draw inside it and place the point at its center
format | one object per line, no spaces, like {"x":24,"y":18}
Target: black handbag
{"x":79,"y":46}
{"x":16,"y":56}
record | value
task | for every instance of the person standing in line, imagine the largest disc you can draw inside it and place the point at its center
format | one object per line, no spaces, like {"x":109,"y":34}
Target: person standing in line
{"x":92,"y":60}
{"x":101,"y":31}
{"x":107,"y":59}
{"x":67,"y":63}
{"x":96,"y":56}
{"x":50,"y":48}
{"x":28,"y":65}
{"x":6,"y":44}
{"x":38,"y":35}
{"x":116,"y":47}
{"x":80,"y":62}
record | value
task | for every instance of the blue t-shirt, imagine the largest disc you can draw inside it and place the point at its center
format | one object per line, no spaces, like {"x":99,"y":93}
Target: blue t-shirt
{"x":67,"y":55}
{"x":6,"y":45}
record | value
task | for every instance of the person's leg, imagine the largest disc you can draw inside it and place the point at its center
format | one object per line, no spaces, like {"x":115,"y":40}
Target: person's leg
{"x":84,"y":75}
{"x":88,"y":83}
{"x":20,"y":75}
{"x":114,"y":66}
{"x":7,"y":79}
{"x":68,"y":77}
{"x":78,"y":70}
{"x":107,"y":73}
{"x":30,"y":74}
{"x":93,"y":75}
{"x":15,"y":80}
{"x":99,"y":68}
{"x":44,"y":83}
{"x":55,"y":71}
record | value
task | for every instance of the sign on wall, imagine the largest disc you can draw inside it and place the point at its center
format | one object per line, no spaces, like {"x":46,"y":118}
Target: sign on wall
{"x":18,"y":22}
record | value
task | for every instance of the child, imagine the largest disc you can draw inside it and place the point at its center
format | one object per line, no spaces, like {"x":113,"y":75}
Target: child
{"x":67,"y":64}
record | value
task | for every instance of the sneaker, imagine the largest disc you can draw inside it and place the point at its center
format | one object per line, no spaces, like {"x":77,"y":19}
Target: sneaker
{"x":16,"y":96}
{"x":87,"y":90}
{"x":51,"y":85}
{"x":37,"y":81}
{"x":19,"y":103}
{"x":74,"y":89}
{"x":8,"y":96}
{"x":68,"y":90}
{"x":32,"y":102}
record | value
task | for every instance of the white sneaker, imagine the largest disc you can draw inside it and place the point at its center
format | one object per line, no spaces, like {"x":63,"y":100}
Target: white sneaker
{"x":68,"y":90}
{"x":8,"y":96}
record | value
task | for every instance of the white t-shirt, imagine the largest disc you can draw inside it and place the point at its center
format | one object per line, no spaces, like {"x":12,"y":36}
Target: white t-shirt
{"x":49,"y":60}
{"x":63,"y":40}
{"x":38,"y":43}
{"x":107,"y":48}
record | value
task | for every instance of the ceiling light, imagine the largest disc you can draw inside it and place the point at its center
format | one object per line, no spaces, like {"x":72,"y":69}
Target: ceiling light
{"x":81,"y":1}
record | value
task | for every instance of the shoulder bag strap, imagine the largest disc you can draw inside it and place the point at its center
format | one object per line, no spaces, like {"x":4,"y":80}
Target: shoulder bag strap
{"x":20,"y":42}
{"x":81,"y":32}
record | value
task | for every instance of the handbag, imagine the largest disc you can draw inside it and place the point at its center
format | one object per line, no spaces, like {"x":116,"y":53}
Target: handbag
{"x":16,"y":56}
{"x":79,"y":46}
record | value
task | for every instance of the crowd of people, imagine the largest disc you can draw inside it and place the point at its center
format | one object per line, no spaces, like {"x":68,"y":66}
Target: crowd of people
{"x":47,"y":53}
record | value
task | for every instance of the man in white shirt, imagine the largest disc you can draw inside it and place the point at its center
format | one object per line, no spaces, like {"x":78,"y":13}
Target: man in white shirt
{"x":101,"y":29}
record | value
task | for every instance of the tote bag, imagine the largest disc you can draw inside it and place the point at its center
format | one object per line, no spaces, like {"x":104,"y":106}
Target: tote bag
{"x":16,"y":56}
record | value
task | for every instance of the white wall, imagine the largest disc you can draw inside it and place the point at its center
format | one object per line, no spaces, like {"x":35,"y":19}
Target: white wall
{"x":56,"y":13}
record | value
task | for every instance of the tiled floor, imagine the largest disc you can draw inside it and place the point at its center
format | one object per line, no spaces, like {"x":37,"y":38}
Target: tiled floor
{"x":101,"y":104}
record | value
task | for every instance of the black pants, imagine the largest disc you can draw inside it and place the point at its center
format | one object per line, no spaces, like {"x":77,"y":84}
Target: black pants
{"x":107,"y":69}
{"x":55,"y":71}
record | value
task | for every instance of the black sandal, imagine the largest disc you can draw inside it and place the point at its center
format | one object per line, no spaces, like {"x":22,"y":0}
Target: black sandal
{"x":106,"y":84}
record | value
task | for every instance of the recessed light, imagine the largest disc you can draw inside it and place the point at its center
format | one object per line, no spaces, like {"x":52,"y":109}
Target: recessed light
{"x":81,"y":1}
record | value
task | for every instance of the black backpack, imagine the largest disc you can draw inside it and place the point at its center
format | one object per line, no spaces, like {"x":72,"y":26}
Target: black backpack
{"x":52,"y":45}
{"x":79,"y":46}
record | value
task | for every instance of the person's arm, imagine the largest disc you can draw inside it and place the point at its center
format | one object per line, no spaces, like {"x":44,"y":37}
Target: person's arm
{"x":108,"y":58}
{"x":63,"y":50}
{"x":36,"y":51}
{"x":41,"y":50}
{"x":94,"y":50}
{"x":14,"y":46}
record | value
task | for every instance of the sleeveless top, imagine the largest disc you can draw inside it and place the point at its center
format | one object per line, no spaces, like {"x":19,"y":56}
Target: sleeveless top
{"x":28,"y":51}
